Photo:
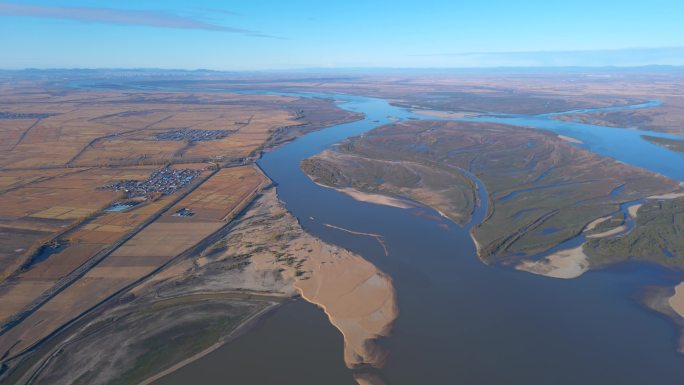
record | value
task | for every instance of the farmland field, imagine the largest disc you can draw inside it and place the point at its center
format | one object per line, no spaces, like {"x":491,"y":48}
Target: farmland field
{"x":92,"y":187}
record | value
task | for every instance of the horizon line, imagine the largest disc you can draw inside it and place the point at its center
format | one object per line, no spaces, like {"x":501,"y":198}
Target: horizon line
{"x":341,"y":68}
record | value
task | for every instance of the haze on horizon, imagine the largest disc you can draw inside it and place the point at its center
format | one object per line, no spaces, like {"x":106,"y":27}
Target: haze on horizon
{"x":238,"y":35}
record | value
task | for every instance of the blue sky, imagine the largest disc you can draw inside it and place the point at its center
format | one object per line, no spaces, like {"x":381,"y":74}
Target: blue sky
{"x":253,"y":34}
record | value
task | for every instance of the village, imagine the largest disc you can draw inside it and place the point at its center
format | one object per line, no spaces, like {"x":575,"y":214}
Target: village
{"x":192,"y":135}
{"x":164,"y":181}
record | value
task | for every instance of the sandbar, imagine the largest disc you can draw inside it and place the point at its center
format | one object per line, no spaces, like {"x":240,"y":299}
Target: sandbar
{"x":566,"y":264}
{"x":608,"y":233}
{"x":358,"y":299}
{"x":677,"y":300}
{"x":632,"y":210}
{"x":595,"y":223}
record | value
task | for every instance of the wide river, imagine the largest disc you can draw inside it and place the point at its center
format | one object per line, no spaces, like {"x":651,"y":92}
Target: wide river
{"x":460,"y":322}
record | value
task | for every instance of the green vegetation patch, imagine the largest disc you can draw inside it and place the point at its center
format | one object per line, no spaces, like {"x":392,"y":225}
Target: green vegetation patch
{"x":446,"y":189}
{"x":542,"y":190}
{"x":658,"y":237}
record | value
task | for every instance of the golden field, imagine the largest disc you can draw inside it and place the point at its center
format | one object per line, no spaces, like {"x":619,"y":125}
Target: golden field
{"x":58,"y":146}
{"x":214,"y":202}
{"x":37,"y":208}
{"x":118,"y":129}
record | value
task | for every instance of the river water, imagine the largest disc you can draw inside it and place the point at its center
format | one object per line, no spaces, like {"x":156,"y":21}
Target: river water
{"x":460,"y":322}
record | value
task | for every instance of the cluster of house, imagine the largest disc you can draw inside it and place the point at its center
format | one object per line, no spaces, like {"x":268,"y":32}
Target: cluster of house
{"x":192,"y":135}
{"x":164,"y":181}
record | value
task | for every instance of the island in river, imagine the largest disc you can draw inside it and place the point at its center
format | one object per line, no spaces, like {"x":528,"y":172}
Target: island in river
{"x":541,"y":190}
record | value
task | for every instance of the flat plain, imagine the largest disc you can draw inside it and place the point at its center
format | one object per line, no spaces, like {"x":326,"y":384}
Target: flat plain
{"x":88,"y":267}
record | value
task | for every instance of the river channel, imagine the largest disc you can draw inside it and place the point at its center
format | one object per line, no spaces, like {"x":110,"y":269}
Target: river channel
{"x":460,"y":321}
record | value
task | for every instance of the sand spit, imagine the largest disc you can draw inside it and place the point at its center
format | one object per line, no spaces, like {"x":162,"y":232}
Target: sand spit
{"x":570,"y":139}
{"x":566,"y":264}
{"x":677,"y":300}
{"x":358,"y":299}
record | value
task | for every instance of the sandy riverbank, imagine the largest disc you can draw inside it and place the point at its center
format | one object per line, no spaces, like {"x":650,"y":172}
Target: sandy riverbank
{"x":570,"y":139}
{"x":671,"y":195}
{"x":677,"y":300}
{"x":591,"y":226}
{"x":375,"y":198}
{"x":566,"y":264}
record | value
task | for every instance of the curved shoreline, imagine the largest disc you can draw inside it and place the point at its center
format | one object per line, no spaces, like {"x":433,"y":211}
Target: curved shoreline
{"x":564,"y":264}
{"x":676,"y":301}
{"x":378,"y":199}
{"x":358,"y":299}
